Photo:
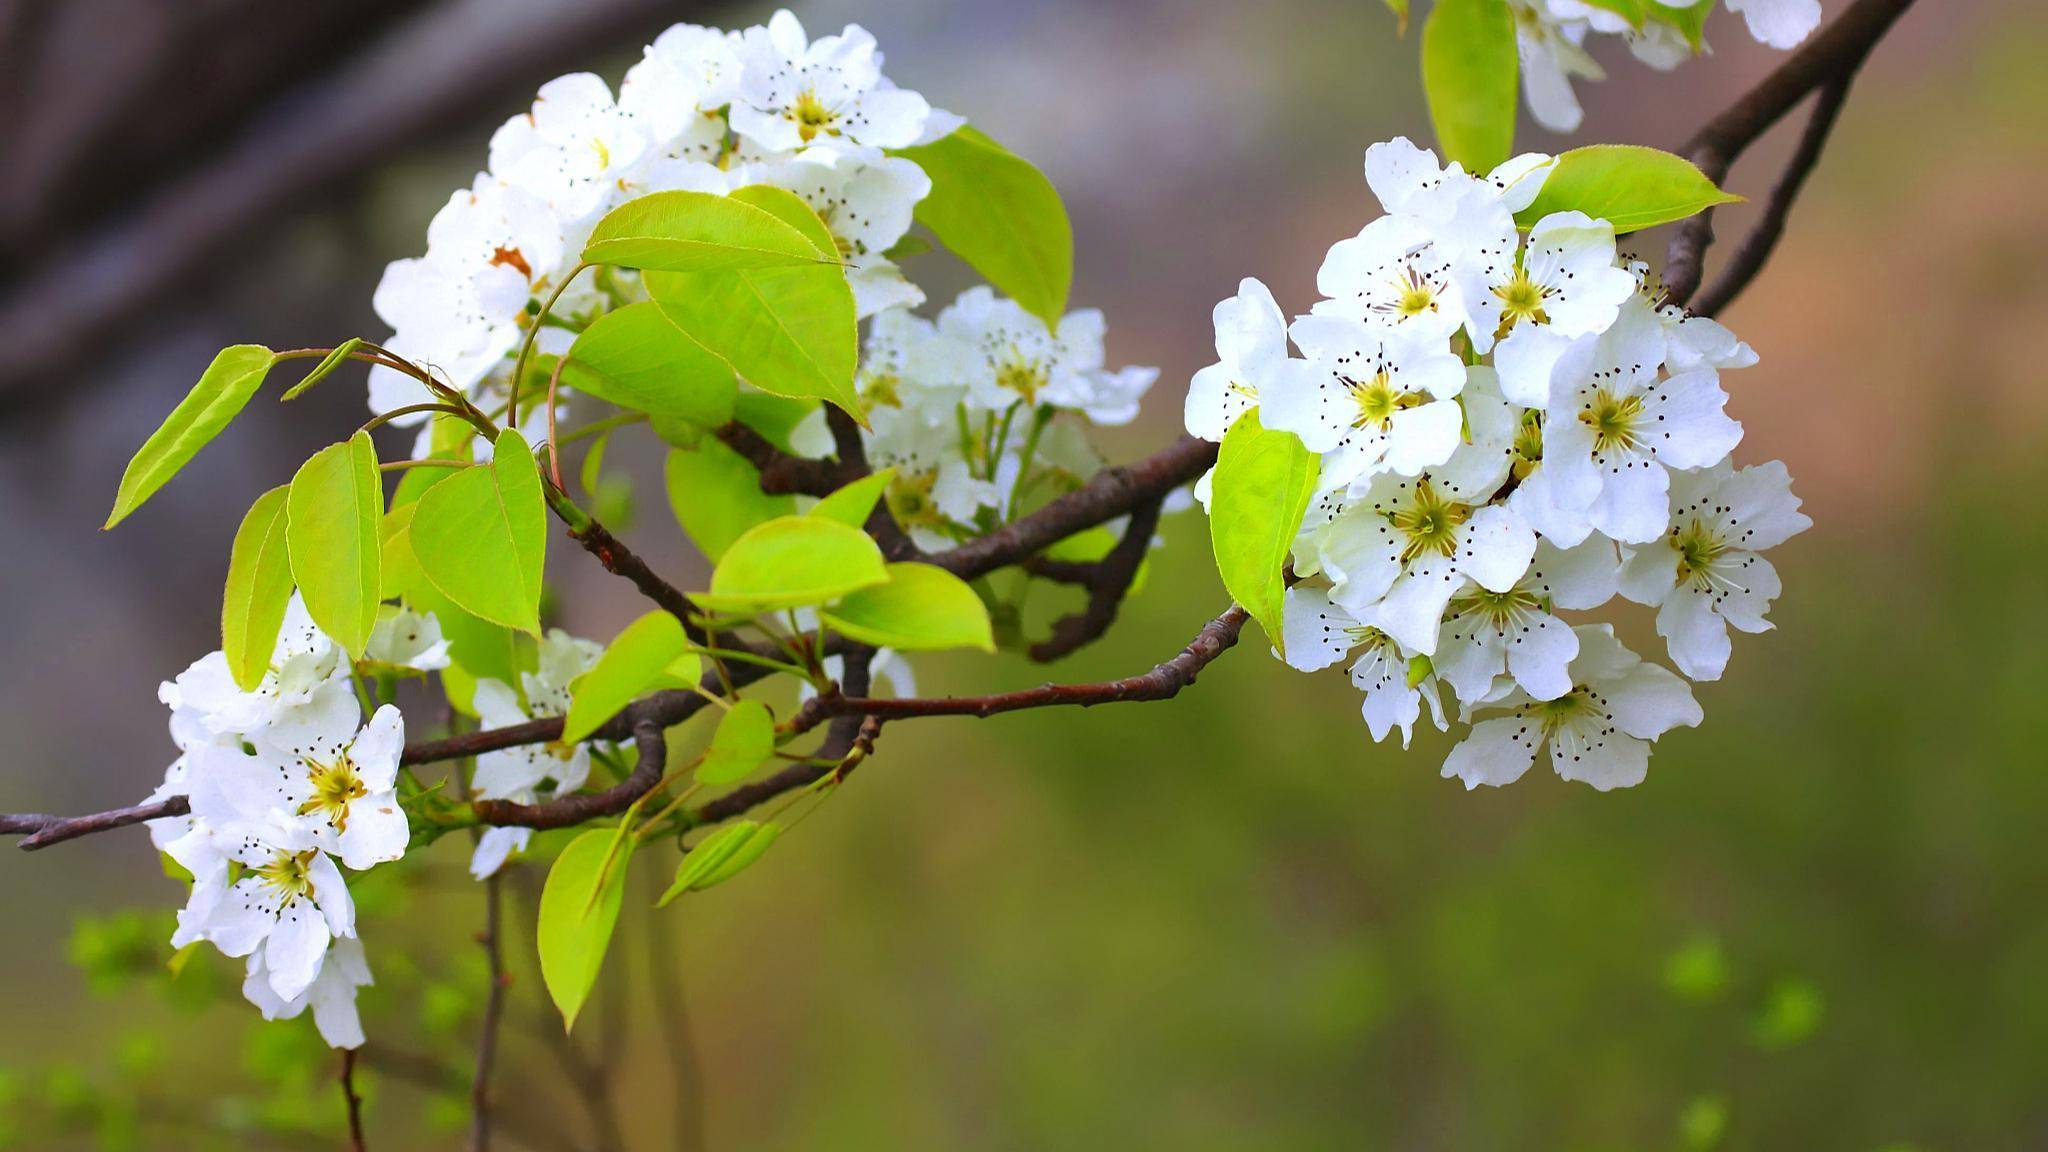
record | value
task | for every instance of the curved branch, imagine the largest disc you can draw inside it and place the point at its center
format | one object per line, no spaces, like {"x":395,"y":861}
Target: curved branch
{"x":578,"y":807}
{"x":1107,"y":584}
{"x":1834,"y":54}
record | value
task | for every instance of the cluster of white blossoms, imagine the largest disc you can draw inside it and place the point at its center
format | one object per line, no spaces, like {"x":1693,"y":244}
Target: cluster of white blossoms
{"x":963,"y":407}
{"x":283,"y":781}
{"x":1511,"y":428}
{"x":1550,"y":38}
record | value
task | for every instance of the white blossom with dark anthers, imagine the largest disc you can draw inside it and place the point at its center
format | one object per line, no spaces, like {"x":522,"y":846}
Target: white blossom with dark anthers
{"x":569,"y":150}
{"x":1376,"y":399}
{"x":866,"y":200}
{"x":1007,"y":355}
{"x":1552,"y":53}
{"x":1598,"y":732}
{"x":289,"y":900}
{"x":305,"y":690}
{"x":1403,"y":546}
{"x":1320,"y":632}
{"x":337,"y":787}
{"x":1517,"y":633}
{"x":1778,"y":23}
{"x":1251,"y":356}
{"x":405,"y":639}
{"x":331,"y":995}
{"x":1410,"y":181}
{"x":1615,"y":417}
{"x":679,"y":85}
{"x":1529,"y":307}
{"x":1394,"y":272}
{"x":1708,"y":574}
{"x":793,"y":93}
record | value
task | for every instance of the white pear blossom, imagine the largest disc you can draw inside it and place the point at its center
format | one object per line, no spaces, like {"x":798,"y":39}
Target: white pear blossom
{"x":403,"y":638}
{"x":1251,"y":355}
{"x":1516,"y":633}
{"x":1376,"y":399}
{"x":337,"y":786}
{"x":865,"y":199}
{"x":1563,"y":284}
{"x":569,"y":150}
{"x":1707,"y":574}
{"x":794,"y":93}
{"x":681,"y":81}
{"x":305,"y":690}
{"x":1778,"y":23}
{"x":1320,"y":632}
{"x":529,"y":773}
{"x":1552,"y":54}
{"x":290,"y":900}
{"x":1599,"y":732}
{"x":1007,"y":355}
{"x":331,"y":995}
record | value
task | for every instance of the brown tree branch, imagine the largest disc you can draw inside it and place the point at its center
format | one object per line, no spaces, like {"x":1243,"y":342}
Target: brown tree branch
{"x":491,"y":940}
{"x":1106,"y":585}
{"x":1833,"y":54}
{"x":42,"y":831}
{"x":578,"y":807}
{"x":353,"y":1101}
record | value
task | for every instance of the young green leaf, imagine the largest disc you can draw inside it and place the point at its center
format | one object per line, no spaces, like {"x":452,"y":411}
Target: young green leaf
{"x":720,"y":856}
{"x":793,"y":562}
{"x":1633,"y":11}
{"x":1630,"y":186}
{"x":636,"y":659}
{"x":401,"y":570}
{"x":1469,"y":67}
{"x":480,"y":536}
{"x":634,"y":358}
{"x":222,"y":391}
{"x":792,"y":210}
{"x":850,"y":505}
{"x":1001,"y":215}
{"x":790,"y":331}
{"x":259,"y":586}
{"x":745,"y":737}
{"x":716,"y":495}
{"x":332,"y":514}
{"x":682,"y":231}
{"x":579,"y":908}
{"x":1400,"y":10}
{"x":1262,"y":487}
{"x":921,"y":608}
{"x":325,"y":368}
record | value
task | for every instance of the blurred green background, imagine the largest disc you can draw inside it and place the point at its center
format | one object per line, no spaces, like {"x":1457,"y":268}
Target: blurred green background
{"x":1227,"y":921}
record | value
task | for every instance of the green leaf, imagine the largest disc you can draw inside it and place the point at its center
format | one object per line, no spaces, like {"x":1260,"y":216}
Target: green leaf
{"x":792,"y":210}
{"x":922,"y":608}
{"x":790,"y":331}
{"x":1633,"y":11}
{"x":636,"y":659}
{"x":259,"y":586}
{"x":401,"y":569}
{"x":716,"y":495}
{"x":720,"y":856}
{"x":1628,"y":185}
{"x":332,"y":517}
{"x":1400,"y":10}
{"x":1691,"y":21}
{"x":579,"y":908}
{"x":1001,"y":215}
{"x":745,"y":737}
{"x":634,"y":358}
{"x":776,"y":418}
{"x":481,"y":537}
{"x":850,"y":505}
{"x":484,"y":650}
{"x":1262,"y":488}
{"x":1468,"y":74}
{"x":325,"y":368}
{"x":681,"y":231}
{"x":222,"y":391}
{"x":793,"y":562}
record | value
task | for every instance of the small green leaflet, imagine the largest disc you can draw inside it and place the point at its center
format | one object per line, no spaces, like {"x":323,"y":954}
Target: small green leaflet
{"x":786,"y":330}
{"x":921,"y":608}
{"x":720,"y":856}
{"x":259,"y":586}
{"x":636,"y":660}
{"x":1400,"y":10}
{"x":333,"y":514}
{"x":1469,"y":65}
{"x":634,"y":358}
{"x":682,"y":231}
{"x":745,"y":737}
{"x":1001,"y":215}
{"x":1262,"y":487}
{"x":325,"y":368}
{"x":850,"y":505}
{"x":579,"y":908}
{"x":480,"y":536}
{"x":1691,"y":21}
{"x":1626,"y":184}
{"x":223,"y":390}
{"x":793,"y":562}
{"x":716,"y":495}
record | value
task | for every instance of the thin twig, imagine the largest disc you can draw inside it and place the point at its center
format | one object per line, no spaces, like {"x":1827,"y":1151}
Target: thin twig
{"x":355,"y":1102}
{"x":1108,"y":583}
{"x":43,"y":831}
{"x":494,"y":1008}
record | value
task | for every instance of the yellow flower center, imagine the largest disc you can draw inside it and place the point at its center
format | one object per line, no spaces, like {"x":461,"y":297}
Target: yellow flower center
{"x":1528,"y":444}
{"x":811,"y":116}
{"x":910,"y":500}
{"x":335,"y":786}
{"x":1378,"y":400}
{"x":881,"y":389}
{"x":1430,"y":522}
{"x":1024,"y":377}
{"x":290,"y":873}
{"x":1521,"y":299}
{"x":1697,"y":549}
{"x":1613,"y":420}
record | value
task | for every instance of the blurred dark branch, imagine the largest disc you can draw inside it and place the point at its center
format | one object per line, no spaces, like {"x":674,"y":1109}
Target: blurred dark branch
{"x":1830,"y":58}
{"x":456,"y":62}
{"x":352,"y":1100}
{"x":42,"y":831}
{"x":491,"y":939}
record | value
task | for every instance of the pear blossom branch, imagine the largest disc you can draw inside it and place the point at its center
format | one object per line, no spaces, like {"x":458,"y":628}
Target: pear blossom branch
{"x":1108,"y":582}
{"x":354,"y":1101}
{"x":41,"y":831}
{"x":578,"y":807}
{"x":1832,"y":56}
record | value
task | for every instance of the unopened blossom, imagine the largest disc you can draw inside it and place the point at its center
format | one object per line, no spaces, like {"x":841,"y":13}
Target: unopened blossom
{"x":1320,"y":632}
{"x":1707,"y":574}
{"x":1516,"y":633}
{"x":331,"y":995}
{"x":1599,"y":732}
{"x":1251,"y":354}
{"x":1616,"y":418}
{"x":1375,"y":398}
{"x":337,"y":786}
{"x":794,"y":93}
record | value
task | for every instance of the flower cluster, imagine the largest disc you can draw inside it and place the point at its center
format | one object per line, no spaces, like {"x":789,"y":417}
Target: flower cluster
{"x":283,"y":780}
{"x":1510,"y":427}
{"x":1550,"y":37}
